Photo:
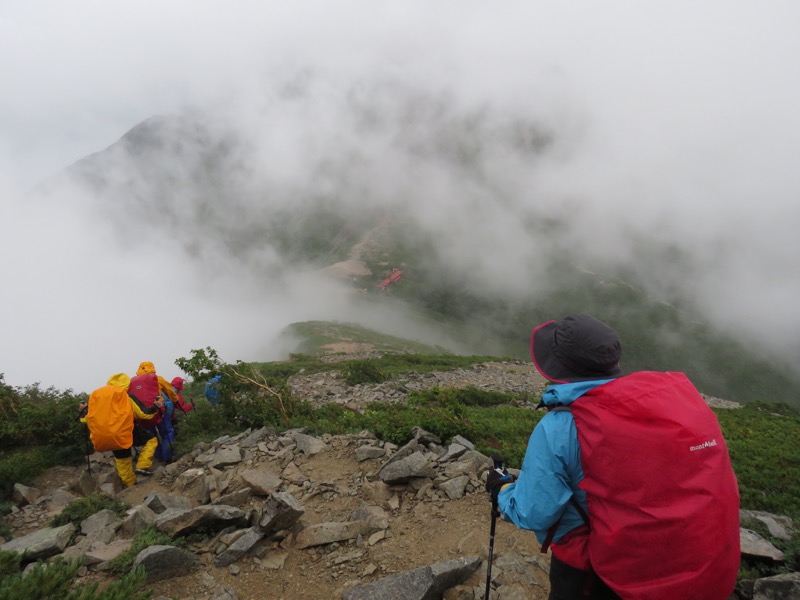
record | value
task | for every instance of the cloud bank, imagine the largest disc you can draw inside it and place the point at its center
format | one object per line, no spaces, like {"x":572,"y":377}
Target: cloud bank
{"x":667,"y":125}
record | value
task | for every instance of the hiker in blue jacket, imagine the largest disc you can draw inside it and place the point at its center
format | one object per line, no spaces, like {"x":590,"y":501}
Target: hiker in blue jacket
{"x":661,"y":519}
{"x":212,"y":390}
{"x":546,"y":498}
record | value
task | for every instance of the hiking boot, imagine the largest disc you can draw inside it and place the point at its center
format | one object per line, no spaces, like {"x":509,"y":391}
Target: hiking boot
{"x":145,"y":472}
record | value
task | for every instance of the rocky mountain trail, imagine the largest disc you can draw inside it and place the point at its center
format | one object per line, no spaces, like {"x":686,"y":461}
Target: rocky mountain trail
{"x":360,"y":510}
{"x":286,"y":515}
{"x":329,"y":387}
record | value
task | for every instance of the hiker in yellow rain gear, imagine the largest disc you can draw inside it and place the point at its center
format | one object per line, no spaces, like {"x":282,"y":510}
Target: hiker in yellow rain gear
{"x":110,"y":415}
{"x":146,"y":389}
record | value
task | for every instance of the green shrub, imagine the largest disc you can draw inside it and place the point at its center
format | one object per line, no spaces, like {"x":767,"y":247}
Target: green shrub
{"x":39,"y":428}
{"x":363,"y":371}
{"x":22,"y":466}
{"x":9,"y":563}
{"x":78,"y":510}
{"x":202,"y":424}
{"x":47,"y":581}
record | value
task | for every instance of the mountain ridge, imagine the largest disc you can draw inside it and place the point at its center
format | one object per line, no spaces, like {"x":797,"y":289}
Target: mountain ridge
{"x":241,"y":216}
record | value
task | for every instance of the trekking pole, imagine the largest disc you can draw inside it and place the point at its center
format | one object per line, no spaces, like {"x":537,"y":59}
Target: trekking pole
{"x":498,"y":466}
{"x":88,"y":451}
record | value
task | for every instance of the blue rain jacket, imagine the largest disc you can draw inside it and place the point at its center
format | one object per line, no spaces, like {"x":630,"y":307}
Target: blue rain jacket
{"x":211,"y":391}
{"x":551,"y":470}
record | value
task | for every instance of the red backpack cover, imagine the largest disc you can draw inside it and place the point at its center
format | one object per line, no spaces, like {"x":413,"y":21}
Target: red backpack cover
{"x":144,"y":389}
{"x":663,"y":499}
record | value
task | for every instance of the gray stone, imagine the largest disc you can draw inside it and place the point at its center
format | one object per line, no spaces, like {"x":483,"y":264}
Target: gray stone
{"x":327,"y":533}
{"x":454,"y":488}
{"x":308,"y":444}
{"x":257,"y":436}
{"x":426,"y":438}
{"x":226,"y":456}
{"x":237,"y":498}
{"x":425,"y":583}
{"x":161,"y":562}
{"x":158,"y":502}
{"x":239,"y":548}
{"x":513,"y":569}
{"x":191,"y":483}
{"x":85,"y":484}
{"x":177,"y":521}
{"x":60,"y":498}
{"x":462,"y":441}
{"x":42,"y":543}
{"x":262,"y":482}
{"x":368,"y":452}
{"x":470,"y":463}
{"x":754,"y":545}
{"x":415,"y":465}
{"x":103,"y":519}
{"x":779,"y":526}
{"x":779,"y":587}
{"x":407,"y":450}
{"x":293,"y":474}
{"x":137,"y":518}
{"x":101,"y":553}
{"x":374,"y":515}
{"x":25,"y":495}
{"x":453,"y":452}
{"x":280,"y":511}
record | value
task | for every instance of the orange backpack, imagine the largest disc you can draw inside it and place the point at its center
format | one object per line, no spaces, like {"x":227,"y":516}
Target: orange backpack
{"x":110,"y":418}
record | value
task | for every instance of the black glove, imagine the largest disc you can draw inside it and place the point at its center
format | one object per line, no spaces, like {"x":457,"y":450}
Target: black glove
{"x":497,"y":478}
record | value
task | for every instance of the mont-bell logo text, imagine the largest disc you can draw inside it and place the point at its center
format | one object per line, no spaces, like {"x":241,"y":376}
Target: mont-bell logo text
{"x":706,"y":444}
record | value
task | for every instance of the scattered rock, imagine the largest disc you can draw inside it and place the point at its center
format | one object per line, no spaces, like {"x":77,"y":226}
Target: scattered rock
{"x":25,"y":495}
{"x":757,"y":547}
{"x":177,"y":521}
{"x":239,"y":548}
{"x":425,"y":583}
{"x":42,"y":543}
{"x":261,"y":481}
{"x":327,"y":533}
{"x":280,"y":511}
{"x":160,"y":562}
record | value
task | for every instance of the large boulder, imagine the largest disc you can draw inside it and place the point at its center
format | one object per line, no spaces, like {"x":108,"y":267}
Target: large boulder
{"x":177,"y":522}
{"x":161,"y":562}
{"x":42,"y":543}
{"x":425,"y":583}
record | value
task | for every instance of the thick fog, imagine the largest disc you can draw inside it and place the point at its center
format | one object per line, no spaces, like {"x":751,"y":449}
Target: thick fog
{"x":670,"y":127}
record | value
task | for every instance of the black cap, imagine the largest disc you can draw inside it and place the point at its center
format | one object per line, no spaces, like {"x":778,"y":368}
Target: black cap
{"x":577,"y":348}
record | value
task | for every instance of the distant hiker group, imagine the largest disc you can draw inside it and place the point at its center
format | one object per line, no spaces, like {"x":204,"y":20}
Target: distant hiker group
{"x":130,"y":413}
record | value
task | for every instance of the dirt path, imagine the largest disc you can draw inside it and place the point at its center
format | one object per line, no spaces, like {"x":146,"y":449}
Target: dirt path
{"x":420,"y":533}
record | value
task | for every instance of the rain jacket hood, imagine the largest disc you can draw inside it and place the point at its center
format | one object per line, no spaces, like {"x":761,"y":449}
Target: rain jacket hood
{"x":119,"y":380}
{"x":146,"y":367}
{"x":567,"y":393}
{"x":177,"y":383}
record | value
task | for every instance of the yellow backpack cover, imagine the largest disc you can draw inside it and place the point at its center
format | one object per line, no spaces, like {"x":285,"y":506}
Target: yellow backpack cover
{"x":110,"y":415}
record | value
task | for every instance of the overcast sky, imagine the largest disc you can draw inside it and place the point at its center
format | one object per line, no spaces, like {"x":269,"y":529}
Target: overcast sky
{"x":676,"y":121}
